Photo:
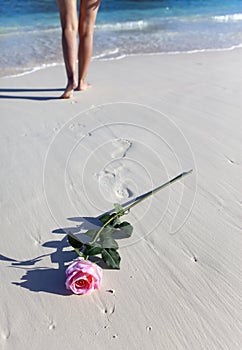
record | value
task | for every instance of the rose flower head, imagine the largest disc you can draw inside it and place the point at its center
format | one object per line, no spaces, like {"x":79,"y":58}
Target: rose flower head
{"x":83,"y":276}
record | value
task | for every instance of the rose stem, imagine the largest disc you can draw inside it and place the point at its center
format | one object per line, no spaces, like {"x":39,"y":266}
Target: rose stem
{"x":122,"y":212}
{"x":177,"y":178}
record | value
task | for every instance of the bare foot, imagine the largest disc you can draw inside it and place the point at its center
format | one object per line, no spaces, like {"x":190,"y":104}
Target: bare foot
{"x":69,"y":90}
{"x":83,"y":86}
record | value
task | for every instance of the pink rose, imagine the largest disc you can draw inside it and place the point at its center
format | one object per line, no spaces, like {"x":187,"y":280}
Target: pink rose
{"x":83,"y":276}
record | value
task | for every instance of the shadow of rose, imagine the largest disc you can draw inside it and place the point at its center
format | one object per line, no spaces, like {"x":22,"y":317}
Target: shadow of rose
{"x":48,"y":279}
{"x":38,"y":278}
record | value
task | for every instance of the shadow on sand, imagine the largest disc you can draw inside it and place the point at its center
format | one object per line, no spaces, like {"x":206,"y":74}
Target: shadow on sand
{"x":52,"y":280}
{"x":14,"y":94}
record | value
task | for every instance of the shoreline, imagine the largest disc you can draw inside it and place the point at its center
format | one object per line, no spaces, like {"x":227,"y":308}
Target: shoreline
{"x":54,"y":64}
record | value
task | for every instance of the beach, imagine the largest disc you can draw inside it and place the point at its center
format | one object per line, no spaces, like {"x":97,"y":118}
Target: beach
{"x":146,"y":119}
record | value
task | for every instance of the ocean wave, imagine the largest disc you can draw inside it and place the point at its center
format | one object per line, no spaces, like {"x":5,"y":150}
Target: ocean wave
{"x":106,"y":53}
{"x":28,"y":30}
{"x":229,"y":18}
{"x":119,"y":26}
{"x":17,"y":31}
{"x":231,"y":48}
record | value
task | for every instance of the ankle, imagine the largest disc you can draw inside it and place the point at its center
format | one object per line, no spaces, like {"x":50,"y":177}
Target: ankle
{"x":71,"y":83}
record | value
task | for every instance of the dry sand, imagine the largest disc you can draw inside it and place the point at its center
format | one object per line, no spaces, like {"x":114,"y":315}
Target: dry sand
{"x":64,"y":162}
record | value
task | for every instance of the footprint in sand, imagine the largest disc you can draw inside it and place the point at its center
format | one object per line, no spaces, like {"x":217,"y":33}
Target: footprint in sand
{"x":112,"y":185}
{"x":76,"y":126}
{"x":78,"y":129}
{"x":121,"y":148}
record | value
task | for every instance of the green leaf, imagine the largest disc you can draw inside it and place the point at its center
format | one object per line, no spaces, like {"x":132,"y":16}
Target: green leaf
{"x":111,"y":257}
{"x":74,"y":241}
{"x":106,"y":232}
{"x":105,"y":218}
{"x":109,"y":242}
{"x":92,"y":249}
{"x":91,"y":233}
{"x":118,"y":207}
{"x":126,"y":228}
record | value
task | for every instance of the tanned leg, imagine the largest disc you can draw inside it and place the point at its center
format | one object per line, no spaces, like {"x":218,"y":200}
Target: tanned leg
{"x":87,"y":18}
{"x":69,"y":25}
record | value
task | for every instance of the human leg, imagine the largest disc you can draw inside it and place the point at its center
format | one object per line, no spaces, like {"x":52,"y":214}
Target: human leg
{"x":69,"y":24}
{"x":87,"y":18}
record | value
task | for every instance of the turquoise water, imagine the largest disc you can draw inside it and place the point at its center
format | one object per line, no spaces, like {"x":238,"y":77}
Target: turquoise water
{"x":30,"y":35}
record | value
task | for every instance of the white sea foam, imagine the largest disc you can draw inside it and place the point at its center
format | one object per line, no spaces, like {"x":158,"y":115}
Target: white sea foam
{"x":24,"y":31}
{"x":229,"y":18}
{"x":116,"y":58}
{"x":107,"y":53}
{"x":122,"y":25}
{"x":34,"y":69}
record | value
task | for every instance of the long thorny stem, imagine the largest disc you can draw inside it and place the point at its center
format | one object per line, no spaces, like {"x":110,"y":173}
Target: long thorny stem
{"x":127,"y":209}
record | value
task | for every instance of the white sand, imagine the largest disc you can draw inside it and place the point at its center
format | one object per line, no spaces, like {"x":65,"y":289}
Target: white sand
{"x":146,"y":120}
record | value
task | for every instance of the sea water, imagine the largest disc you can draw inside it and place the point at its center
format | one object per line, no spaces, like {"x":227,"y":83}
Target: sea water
{"x":30,"y":34}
